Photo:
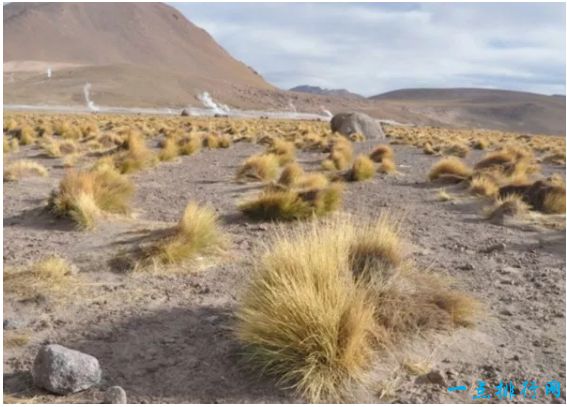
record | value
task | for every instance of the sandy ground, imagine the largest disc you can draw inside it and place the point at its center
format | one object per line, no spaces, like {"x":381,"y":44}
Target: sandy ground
{"x":167,"y":338}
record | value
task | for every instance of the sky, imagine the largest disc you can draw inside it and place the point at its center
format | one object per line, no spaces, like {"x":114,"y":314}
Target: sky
{"x":371,"y":48}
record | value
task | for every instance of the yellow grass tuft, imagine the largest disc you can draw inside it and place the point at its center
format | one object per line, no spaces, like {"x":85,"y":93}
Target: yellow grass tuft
{"x":169,"y":151}
{"x":259,"y":167}
{"x":197,"y":233}
{"x":387,"y":166}
{"x":483,"y":185}
{"x":290,"y":204}
{"x":326,"y":297}
{"x":291,"y":174}
{"x":51,"y":275}
{"x":449,"y":166}
{"x":380,"y":152}
{"x":84,"y":195}
{"x":24,"y":168}
{"x":362,"y":169}
{"x":283,"y":150}
{"x":136,"y":157}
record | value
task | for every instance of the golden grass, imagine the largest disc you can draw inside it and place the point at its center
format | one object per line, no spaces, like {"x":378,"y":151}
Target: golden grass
{"x":169,"y":150}
{"x":259,"y":167}
{"x":387,"y":166}
{"x":84,"y":195}
{"x":283,"y":150}
{"x":449,"y":166}
{"x":512,"y":206}
{"x":197,"y":233}
{"x":137,"y":155}
{"x":313,"y":180}
{"x":52,"y":275}
{"x":190,"y":145}
{"x":380,"y":152}
{"x":325,"y":298}
{"x":362,"y":169}
{"x":24,"y":168}
{"x":444,"y":196}
{"x":288,"y":205}
{"x":290,"y":174}
{"x":483,"y":185}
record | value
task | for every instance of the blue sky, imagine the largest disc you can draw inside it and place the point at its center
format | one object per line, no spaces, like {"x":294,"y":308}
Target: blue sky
{"x":372,"y":48}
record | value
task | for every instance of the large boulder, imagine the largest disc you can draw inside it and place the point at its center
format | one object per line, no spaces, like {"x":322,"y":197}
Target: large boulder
{"x":354,"y":122}
{"x":62,"y":371}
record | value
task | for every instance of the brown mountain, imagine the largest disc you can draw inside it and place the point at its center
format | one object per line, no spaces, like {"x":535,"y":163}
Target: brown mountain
{"x":151,"y":46}
{"x":487,"y":108}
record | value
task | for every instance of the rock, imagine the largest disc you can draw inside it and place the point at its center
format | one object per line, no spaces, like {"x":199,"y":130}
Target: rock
{"x":13,"y":323}
{"x":493,"y":248}
{"x":433,"y":377}
{"x":185,"y":112}
{"x":62,"y":371}
{"x":353,"y":122}
{"x":115,"y":395}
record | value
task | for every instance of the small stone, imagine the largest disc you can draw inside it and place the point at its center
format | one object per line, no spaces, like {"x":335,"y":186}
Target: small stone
{"x":506,"y":312}
{"x":115,"y":395}
{"x":62,"y":371}
{"x":12,"y":323}
{"x":433,"y":377}
{"x":493,"y":248}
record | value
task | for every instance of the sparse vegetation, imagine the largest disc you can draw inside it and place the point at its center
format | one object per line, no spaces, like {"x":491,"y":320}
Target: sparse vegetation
{"x":362,"y":169}
{"x":24,"y":168}
{"x":450,"y":167}
{"x":85,"y":195}
{"x":259,"y":167}
{"x":324,"y":298}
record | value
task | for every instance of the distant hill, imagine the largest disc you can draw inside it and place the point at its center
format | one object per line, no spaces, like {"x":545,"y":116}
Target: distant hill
{"x":316,"y":90}
{"x":487,"y":108}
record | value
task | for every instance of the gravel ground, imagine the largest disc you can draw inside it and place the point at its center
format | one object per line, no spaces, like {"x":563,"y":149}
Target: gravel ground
{"x":167,"y":338}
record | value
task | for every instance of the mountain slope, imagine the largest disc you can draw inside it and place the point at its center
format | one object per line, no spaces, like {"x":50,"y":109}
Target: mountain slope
{"x":122,"y":37}
{"x":316,"y":90}
{"x":488,"y":108}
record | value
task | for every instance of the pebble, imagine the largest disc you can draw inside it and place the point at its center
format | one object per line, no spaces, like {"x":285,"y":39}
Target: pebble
{"x":115,"y":395}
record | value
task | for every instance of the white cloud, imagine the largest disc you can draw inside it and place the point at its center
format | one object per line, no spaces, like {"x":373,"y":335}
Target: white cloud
{"x":372,"y":48}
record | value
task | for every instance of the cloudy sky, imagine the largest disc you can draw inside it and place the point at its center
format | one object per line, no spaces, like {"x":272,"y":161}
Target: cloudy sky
{"x":373,"y":48}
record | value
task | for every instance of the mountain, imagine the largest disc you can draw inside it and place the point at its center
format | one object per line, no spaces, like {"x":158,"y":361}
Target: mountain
{"x":316,"y":90}
{"x":485,"y":108}
{"x":162,"y":55}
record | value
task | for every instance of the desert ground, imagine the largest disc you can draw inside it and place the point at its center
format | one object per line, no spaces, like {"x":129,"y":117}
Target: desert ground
{"x":172,"y":320}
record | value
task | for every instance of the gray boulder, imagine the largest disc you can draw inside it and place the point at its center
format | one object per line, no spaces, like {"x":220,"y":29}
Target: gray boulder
{"x":115,"y":395}
{"x":185,"y":112}
{"x":62,"y":371}
{"x":354,"y":122}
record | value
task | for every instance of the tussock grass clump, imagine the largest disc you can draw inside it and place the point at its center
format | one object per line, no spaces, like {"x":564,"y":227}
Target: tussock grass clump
{"x":314,"y":180}
{"x":449,"y":167}
{"x":190,"y":145}
{"x":380,"y":152}
{"x":259,"y":167}
{"x":289,"y":204}
{"x":546,"y":196}
{"x":197,"y":233}
{"x":457,"y":149}
{"x":283,"y":150}
{"x":387,"y":166}
{"x":483,"y":185}
{"x":291,"y":174}
{"x":47,"y":276}
{"x":85,"y":195}
{"x":362,"y":169}
{"x":509,"y":206}
{"x":24,"y":168}
{"x":325,"y":298}
{"x":136,"y":157}
{"x":169,"y":150}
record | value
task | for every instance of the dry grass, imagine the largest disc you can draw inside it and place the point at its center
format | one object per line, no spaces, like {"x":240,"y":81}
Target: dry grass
{"x":136,"y":157}
{"x":259,"y":167}
{"x":362,"y":169}
{"x":444,"y":196}
{"x":52,"y":275}
{"x":84,"y":195}
{"x":190,"y":145}
{"x":380,"y":152}
{"x":509,"y":206}
{"x":327,"y":297}
{"x":449,"y":166}
{"x":387,"y":166}
{"x":289,"y":204}
{"x":197,"y":233}
{"x":291,"y":174}
{"x":24,"y":168}
{"x":483,"y":185}
{"x":283,"y":150}
{"x":169,"y":151}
